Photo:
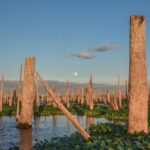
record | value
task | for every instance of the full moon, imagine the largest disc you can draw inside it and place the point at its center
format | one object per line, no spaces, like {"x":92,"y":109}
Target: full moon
{"x":75,"y":74}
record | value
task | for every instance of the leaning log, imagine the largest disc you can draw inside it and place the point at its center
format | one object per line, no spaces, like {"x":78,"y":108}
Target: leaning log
{"x":64,"y":110}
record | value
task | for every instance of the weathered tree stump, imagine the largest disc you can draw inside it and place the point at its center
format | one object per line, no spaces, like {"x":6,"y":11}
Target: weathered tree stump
{"x":28,"y":94}
{"x":138,"y":84}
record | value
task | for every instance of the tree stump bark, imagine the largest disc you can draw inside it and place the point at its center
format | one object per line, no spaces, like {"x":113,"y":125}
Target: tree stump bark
{"x":138,"y":84}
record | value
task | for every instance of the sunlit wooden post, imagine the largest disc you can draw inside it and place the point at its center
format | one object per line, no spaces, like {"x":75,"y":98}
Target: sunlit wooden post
{"x":1,"y":96}
{"x":108,"y":96}
{"x":64,"y":110}
{"x":119,"y":92}
{"x":10,"y":97}
{"x":19,"y":93}
{"x":28,"y":94}
{"x":82,"y":96}
{"x":37,"y":97}
{"x":91,"y":93}
{"x":115,"y":100}
{"x":67,"y":95}
{"x":87,"y":97}
{"x":58,"y":95}
{"x":138,"y":84}
{"x":100,"y":95}
{"x":54,"y":91}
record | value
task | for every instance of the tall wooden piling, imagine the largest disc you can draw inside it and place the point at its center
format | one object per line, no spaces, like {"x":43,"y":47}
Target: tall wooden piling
{"x":138,"y":84}
{"x":28,"y":94}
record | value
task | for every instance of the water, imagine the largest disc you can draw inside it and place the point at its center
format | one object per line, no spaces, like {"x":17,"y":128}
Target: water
{"x":43,"y":128}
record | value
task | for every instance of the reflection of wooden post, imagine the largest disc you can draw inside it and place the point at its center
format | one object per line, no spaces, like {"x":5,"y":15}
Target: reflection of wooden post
{"x":64,"y":110}
{"x":26,"y":139}
{"x":37,"y":97}
{"x":138,"y":84}
{"x":119,"y":92}
{"x":1,"y":96}
{"x":28,"y":93}
{"x":19,"y":93}
{"x":10,"y":97}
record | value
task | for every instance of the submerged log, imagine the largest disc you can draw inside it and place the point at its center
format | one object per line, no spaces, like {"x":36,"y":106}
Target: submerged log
{"x":64,"y":110}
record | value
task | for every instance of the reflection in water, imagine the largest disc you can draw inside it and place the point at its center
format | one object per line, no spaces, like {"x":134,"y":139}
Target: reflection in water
{"x":43,"y":128}
{"x":37,"y":122}
{"x":68,"y":128}
{"x":89,"y":121}
{"x":54,"y":124}
{"x":25,"y":139}
{"x":78,"y":118}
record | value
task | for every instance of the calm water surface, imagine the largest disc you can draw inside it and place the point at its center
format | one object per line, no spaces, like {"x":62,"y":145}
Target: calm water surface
{"x":43,"y":128}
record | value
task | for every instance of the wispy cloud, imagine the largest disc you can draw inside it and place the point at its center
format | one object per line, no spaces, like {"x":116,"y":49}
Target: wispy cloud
{"x":104,"y":48}
{"x":83,"y":55}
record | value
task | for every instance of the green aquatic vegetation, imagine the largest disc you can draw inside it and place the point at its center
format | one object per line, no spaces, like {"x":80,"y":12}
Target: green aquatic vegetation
{"x":8,"y":111}
{"x":104,"y":136}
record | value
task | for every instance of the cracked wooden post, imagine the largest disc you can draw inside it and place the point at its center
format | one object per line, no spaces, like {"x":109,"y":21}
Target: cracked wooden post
{"x":138,"y":84}
{"x":1,"y":96}
{"x":119,"y":92}
{"x":10,"y":97}
{"x":28,"y":94}
{"x":64,"y":110}
{"x":19,"y":93}
{"x":37,"y":97}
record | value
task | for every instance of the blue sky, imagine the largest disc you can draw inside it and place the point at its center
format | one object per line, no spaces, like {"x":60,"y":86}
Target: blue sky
{"x":53,"y":30}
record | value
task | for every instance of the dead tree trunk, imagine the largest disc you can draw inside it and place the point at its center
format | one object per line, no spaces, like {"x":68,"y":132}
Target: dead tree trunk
{"x":138,"y":84}
{"x":19,"y":93}
{"x":28,"y":94}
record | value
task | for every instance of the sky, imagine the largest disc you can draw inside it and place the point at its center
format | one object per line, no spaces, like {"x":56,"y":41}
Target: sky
{"x":67,"y":36}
